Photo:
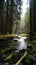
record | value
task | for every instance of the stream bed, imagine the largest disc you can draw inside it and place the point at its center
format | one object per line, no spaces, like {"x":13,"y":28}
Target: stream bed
{"x":11,"y":50}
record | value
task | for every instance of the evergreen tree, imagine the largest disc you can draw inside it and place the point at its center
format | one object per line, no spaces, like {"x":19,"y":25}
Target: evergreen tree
{"x":10,"y":12}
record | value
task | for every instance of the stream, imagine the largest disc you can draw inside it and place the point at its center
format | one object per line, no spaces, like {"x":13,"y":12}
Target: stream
{"x":21,"y":43}
{"x":12,"y":47}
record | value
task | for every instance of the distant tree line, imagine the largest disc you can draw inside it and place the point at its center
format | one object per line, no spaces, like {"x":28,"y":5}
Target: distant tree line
{"x":30,"y":20}
{"x":27,"y":21}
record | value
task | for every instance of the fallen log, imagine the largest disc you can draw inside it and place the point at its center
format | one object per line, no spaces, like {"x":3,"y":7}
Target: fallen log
{"x":9,"y":57}
{"x":19,"y":61}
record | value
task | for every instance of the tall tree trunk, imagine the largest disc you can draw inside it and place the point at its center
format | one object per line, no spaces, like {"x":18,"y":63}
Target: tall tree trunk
{"x":10,"y":19}
{"x":32,"y":19}
{"x":2,"y":14}
{"x":6,"y":26}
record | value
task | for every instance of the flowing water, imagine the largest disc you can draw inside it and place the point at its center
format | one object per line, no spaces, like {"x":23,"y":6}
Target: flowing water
{"x":21,"y":43}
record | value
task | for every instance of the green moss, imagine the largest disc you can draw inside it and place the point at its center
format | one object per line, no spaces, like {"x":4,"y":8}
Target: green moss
{"x":9,"y":56}
{"x":24,"y":34}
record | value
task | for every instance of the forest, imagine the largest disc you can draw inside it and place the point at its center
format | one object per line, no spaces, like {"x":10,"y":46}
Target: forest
{"x":17,"y":32}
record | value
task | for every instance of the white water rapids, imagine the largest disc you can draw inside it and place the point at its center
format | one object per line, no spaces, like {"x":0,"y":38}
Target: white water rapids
{"x":21,"y":43}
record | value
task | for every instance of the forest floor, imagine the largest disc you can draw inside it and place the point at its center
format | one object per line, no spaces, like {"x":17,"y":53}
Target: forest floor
{"x":9,"y":57}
